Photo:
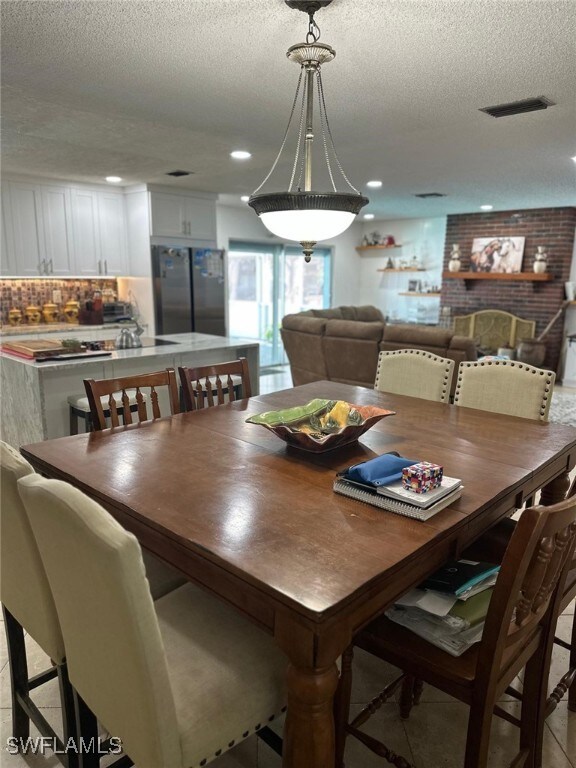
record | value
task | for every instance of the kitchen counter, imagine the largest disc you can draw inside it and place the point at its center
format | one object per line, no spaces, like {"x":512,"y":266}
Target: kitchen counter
{"x":34,"y":403}
{"x":65,"y":330}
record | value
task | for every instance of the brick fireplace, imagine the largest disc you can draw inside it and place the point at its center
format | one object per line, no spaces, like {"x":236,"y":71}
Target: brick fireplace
{"x":552,"y":228}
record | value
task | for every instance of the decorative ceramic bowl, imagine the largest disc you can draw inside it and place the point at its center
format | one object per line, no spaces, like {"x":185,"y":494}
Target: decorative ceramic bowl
{"x":321,"y":425}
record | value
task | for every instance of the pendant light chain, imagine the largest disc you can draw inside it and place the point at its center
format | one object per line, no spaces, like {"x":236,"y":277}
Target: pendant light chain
{"x":271,"y":171}
{"x":323,"y":109}
{"x":299,"y":142}
{"x":323,"y":120}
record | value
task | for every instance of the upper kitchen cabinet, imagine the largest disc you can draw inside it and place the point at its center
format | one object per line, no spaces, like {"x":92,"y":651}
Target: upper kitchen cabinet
{"x":99,"y":224}
{"x":39,"y":230}
{"x":182,"y":216}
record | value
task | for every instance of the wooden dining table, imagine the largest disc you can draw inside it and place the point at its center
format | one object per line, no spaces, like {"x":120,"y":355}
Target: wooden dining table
{"x":256,"y":522}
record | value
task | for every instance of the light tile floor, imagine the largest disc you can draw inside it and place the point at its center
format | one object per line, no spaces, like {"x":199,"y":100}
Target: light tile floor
{"x":433,"y":736}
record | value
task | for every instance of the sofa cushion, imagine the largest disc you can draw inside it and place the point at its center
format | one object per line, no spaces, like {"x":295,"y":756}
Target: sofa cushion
{"x":348,"y":313}
{"x":351,"y":360}
{"x":353,"y":329}
{"x":327,"y":314}
{"x":422,"y":335}
{"x":369,"y":314}
{"x":304,"y":324}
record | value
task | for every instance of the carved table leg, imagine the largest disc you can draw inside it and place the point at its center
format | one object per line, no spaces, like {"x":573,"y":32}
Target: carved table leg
{"x":556,"y":490}
{"x":309,"y":729}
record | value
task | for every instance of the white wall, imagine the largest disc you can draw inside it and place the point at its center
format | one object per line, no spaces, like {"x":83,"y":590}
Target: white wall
{"x":235,"y":223}
{"x":423,"y":238}
{"x":569,"y":378}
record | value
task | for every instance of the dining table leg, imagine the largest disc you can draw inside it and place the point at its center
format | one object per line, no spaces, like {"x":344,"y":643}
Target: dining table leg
{"x":309,"y":729}
{"x":555,"y":490}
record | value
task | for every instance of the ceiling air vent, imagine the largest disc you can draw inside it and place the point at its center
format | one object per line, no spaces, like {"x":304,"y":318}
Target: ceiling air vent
{"x":429,"y":194}
{"x":518,"y":107}
{"x":179,"y":173}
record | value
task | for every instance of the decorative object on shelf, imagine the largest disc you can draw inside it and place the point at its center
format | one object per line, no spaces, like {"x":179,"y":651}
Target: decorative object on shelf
{"x":497,"y":254}
{"x":365,"y":241}
{"x":375,"y":238}
{"x":455,"y":264}
{"x":389,"y":263}
{"x":71,"y":309}
{"x":32,"y":314}
{"x":540,"y":260}
{"x":50,"y":312}
{"x":302,"y":214}
{"x":14,"y":316}
{"x":388,"y":241}
{"x":414,"y":286}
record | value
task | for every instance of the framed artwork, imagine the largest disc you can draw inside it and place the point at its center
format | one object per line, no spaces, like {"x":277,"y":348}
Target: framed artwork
{"x":497,"y":254}
{"x":413,"y":286}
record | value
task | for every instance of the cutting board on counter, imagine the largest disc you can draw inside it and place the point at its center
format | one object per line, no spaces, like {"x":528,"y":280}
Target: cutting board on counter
{"x":31,"y":349}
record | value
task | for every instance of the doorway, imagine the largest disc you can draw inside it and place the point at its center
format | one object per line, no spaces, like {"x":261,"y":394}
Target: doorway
{"x":266,"y":282}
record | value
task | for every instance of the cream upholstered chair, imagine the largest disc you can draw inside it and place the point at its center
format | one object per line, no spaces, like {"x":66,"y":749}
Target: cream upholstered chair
{"x":28,"y":606}
{"x":505,"y":386}
{"x":179,"y":681}
{"x":415,"y":373}
{"x":215,"y":384}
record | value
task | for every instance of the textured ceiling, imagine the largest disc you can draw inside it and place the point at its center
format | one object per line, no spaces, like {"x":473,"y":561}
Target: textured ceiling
{"x":137,"y":89}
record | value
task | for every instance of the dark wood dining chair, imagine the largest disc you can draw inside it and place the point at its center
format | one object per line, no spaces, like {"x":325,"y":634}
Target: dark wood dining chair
{"x":123,"y":393}
{"x":27,"y":606}
{"x":491,"y":547}
{"x":210,"y":385}
{"x":518,"y":634}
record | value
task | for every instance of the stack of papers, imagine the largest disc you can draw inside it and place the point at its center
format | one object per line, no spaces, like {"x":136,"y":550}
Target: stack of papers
{"x":449,"y":608}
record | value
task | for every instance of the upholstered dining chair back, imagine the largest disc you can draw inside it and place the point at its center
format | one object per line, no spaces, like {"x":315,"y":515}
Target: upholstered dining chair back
{"x":119,"y":396}
{"x":24,"y":588}
{"x":216,"y":384}
{"x":115,"y":656}
{"x":415,"y":373}
{"x":505,"y":386}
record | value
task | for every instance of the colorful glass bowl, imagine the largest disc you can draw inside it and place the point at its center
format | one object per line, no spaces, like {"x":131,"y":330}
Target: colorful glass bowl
{"x":321,"y":425}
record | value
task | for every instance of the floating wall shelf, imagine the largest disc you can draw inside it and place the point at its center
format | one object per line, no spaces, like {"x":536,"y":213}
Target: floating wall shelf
{"x":529,"y":276}
{"x":408,"y":269}
{"x":414,"y":293}
{"x":361,"y":248}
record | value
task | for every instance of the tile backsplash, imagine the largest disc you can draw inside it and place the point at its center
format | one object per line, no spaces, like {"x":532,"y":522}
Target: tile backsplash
{"x":19,"y":294}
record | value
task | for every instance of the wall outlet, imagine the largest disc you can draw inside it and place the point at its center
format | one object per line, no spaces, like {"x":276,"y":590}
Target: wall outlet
{"x":57,"y":296}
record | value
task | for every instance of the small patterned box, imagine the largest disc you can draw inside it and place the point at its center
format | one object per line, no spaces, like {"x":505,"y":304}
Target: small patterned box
{"x":422,"y":477}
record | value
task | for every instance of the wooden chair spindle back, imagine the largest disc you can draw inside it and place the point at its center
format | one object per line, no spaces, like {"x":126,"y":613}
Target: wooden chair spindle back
{"x":216,"y":384}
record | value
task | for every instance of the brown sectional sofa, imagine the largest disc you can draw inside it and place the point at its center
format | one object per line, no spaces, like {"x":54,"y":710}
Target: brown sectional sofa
{"x":343,"y":343}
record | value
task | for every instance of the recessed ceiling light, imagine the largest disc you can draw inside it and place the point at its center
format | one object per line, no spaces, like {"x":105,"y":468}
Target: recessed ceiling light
{"x":240,"y":154}
{"x":113,"y":179}
{"x":245,"y":198}
{"x":368,"y":215}
{"x":486,"y":207}
{"x":374,"y":184}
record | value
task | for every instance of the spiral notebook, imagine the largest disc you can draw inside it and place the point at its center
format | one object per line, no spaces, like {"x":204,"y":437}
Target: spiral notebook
{"x":393,"y":505}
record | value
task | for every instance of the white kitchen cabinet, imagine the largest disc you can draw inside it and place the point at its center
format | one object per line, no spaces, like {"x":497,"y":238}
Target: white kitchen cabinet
{"x":58,"y":238}
{"x":41,"y":229}
{"x":7,"y":255}
{"x":99,"y":225}
{"x":182,"y":216}
{"x":27,"y":256}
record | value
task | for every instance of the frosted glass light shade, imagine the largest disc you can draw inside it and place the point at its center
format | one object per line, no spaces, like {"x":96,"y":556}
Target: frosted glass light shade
{"x":307,"y":216}
{"x":310,"y":226}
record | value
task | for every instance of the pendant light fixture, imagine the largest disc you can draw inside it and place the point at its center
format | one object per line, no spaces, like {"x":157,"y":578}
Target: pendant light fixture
{"x":300,"y":213}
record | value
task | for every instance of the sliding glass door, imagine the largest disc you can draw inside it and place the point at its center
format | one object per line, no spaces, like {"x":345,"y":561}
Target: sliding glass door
{"x":266,"y":282}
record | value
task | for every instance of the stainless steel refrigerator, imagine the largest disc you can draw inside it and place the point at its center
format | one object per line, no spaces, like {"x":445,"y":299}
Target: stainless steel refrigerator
{"x":189,"y":290}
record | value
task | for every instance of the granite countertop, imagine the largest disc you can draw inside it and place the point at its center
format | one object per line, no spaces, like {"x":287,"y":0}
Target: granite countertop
{"x":182,"y":343}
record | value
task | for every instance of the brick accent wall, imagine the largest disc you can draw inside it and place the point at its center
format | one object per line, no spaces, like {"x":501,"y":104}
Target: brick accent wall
{"x":553,"y":228}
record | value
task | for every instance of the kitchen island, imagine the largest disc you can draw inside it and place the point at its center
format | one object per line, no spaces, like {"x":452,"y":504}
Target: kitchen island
{"x":34,"y":396}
